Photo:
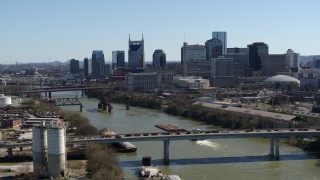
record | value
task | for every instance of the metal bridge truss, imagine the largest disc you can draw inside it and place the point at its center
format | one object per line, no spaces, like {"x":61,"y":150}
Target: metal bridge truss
{"x":65,"y":102}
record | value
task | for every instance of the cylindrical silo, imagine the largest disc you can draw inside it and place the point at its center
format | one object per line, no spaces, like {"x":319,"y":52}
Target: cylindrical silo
{"x":5,"y":100}
{"x":39,"y":149}
{"x":56,"y":151}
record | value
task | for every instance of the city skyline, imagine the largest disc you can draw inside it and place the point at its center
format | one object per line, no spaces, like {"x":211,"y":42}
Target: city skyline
{"x":37,"y":31}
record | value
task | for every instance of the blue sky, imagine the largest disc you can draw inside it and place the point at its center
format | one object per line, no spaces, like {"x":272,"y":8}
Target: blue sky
{"x":39,"y":30}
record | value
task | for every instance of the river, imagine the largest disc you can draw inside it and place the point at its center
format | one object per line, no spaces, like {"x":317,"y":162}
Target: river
{"x":209,"y":159}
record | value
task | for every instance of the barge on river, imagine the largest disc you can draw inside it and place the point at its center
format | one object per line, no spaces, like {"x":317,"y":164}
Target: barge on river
{"x":124,"y":147}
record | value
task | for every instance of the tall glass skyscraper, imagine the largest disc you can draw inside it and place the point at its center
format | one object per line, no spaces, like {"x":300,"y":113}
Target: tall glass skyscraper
{"x":159,"y":59}
{"x":98,"y":63}
{"x":256,"y":50}
{"x":222,"y":36}
{"x":117,"y":59}
{"x":74,"y":66}
{"x":136,"y":54}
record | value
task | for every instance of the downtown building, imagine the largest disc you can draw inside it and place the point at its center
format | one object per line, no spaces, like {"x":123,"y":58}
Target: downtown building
{"x":136,"y":54}
{"x":272,"y":64}
{"x":74,"y":66}
{"x":118,"y":59}
{"x":222,"y":36}
{"x":87,"y":67}
{"x":255,"y":51}
{"x":159,"y":61}
{"x":98,"y":64}
{"x":222,"y":72}
{"x":193,"y":59}
{"x":241,"y":61}
{"x":293,"y":60}
{"x":214,"y":48}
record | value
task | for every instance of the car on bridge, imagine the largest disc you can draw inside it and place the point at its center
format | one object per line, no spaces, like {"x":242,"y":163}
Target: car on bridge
{"x":118,"y":136}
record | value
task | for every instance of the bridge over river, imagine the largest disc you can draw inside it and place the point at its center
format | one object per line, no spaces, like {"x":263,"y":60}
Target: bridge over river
{"x":274,"y":136}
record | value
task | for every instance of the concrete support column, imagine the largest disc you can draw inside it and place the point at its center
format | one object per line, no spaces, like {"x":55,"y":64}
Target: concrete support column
{"x":81,"y":93}
{"x":10,"y":154}
{"x":166,"y":151}
{"x":271,"y":147}
{"x":49,"y":94}
{"x":45,"y":94}
{"x":81,"y":108}
{"x":276,"y":151}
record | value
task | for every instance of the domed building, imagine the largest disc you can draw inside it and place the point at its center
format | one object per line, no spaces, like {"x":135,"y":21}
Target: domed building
{"x":282,"y":81}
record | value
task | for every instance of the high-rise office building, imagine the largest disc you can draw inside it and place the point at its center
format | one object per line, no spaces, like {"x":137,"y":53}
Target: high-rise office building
{"x":86,"y":67}
{"x":293,"y":60}
{"x":117,"y":59}
{"x":74,"y":66}
{"x":193,"y":58}
{"x":273,"y":64}
{"x":222,"y":36}
{"x":214,"y":48}
{"x":159,"y":59}
{"x":256,"y":50}
{"x":222,"y":72}
{"x":98,"y":62}
{"x":136,"y":54}
{"x":222,"y":67}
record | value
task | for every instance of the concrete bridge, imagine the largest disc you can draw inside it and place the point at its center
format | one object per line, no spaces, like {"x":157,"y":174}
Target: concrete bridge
{"x":273,"y":135}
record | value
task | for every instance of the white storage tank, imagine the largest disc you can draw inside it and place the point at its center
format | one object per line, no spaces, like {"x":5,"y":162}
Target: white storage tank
{"x":56,"y":151}
{"x":4,"y":100}
{"x":39,"y":149}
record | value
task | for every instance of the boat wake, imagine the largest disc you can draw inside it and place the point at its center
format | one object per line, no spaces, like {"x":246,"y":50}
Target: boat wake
{"x":209,"y":144}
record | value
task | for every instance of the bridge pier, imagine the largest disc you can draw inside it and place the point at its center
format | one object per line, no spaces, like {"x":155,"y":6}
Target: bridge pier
{"x":49,"y":95}
{"x":274,"y":148}
{"x":81,"y":108}
{"x":166,"y":151}
{"x":276,"y":151}
{"x":45,"y":94}
{"x":10,"y":154}
{"x":271,"y":147}
{"x":81,"y":93}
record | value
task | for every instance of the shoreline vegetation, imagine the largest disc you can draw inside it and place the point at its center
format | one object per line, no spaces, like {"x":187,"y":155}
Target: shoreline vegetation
{"x":181,"y":105}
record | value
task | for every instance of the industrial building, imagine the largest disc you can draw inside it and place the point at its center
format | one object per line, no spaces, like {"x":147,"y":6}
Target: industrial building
{"x":5,"y":100}
{"x":49,"y":153}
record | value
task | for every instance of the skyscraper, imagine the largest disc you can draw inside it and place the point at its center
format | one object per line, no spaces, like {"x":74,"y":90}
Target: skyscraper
{"x":117,"y":59}
{"x":193,"y":58}
{"x":136,"y":54}
{"x":98,"y":64}
{"x":222,"y":36}
{"x":86,"y":67}
{"x":273,"y":63}
{"x":222,"y":72}
{"x":214,"y":48}
{"x":222,"y":67}
{"x":74,"y":66}
{"x":293,"y":60}
{"x":256,"y":50}
{"x":159,"y":59}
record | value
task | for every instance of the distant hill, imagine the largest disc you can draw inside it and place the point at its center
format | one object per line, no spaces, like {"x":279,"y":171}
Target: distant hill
{"x":304,"y":59}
